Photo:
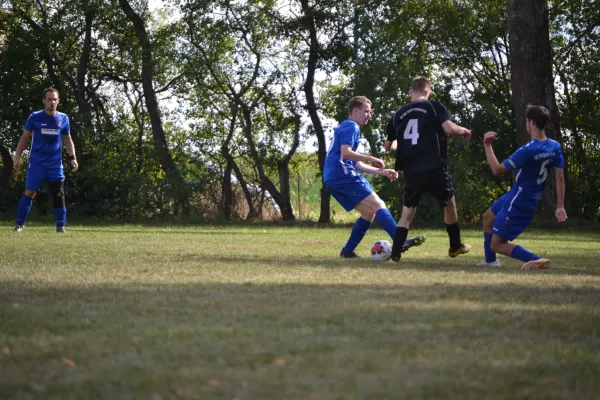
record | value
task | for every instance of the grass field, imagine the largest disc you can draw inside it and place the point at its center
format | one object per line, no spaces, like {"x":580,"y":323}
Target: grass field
{"x":259,"y":312}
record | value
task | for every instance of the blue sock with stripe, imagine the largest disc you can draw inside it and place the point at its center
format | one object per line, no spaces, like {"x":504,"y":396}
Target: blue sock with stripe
{"x":61,"y":217}
{"x":490,"y":256}
{"x":23,"y":209}
{"x":387,"y":222}
{"x":358,"y":233}
{"x":522,"y":254}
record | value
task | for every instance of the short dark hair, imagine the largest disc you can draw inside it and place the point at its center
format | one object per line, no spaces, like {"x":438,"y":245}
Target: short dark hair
{"x":50,"y":89}
{"x":356,"y":102}
{"x":539,"y":115}
{"x":420,"y":84}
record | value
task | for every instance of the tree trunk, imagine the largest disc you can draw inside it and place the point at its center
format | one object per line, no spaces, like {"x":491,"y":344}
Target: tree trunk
{"x":160,"y":141}
{"x":531,"y":72}
{"x":82,"y":104}
{"x":7,"y":167}
{"x":283,"y":167}
{"x":283,"y":202}
{"x":227,"y":191}
{"x":578,"y":155}
{"x":311,"y":105}
{"x":287,"y":212}
{"x":252,"y":211}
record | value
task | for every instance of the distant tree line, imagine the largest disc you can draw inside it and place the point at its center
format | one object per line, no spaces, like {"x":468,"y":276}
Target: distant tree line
{"x":209,"y":108}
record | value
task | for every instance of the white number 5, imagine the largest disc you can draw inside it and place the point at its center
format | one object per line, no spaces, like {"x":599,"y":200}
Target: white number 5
{"x":543,"y":173}
{"x":412,"y":131}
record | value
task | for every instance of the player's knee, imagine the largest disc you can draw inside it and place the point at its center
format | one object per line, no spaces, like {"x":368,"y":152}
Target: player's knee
{"x":377,"y":205}
{"x":30,"y":193}
{"x":58,"y":195}
{"x":452,"y":201}
{"x":488,"y":218}
{"x":408,"y":214}
{"x":496,"y":246}
{"x":369,"y":215}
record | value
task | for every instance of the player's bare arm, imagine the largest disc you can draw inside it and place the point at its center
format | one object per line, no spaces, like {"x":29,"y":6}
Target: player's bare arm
{"x":453,"y":129}
{"x":390,"y":145}
{"x":367,"y":169}
{"x":21,"y":147}
{"x":498,"y":169}
{"x":559,"y":179}
{"x":70,"y":146}
{"x":349,"y":154}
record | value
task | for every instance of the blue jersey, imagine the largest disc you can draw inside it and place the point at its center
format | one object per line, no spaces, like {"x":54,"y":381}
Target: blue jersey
{"x":347,"y":133}
{"x":47,"y":132}
{"x":532,"y":163}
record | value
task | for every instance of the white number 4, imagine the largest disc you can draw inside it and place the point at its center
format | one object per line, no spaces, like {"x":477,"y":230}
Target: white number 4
{"x":543,"y":173}
{"x":412,"y":131}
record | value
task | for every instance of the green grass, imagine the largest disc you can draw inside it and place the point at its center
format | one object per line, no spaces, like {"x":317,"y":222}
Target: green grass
{"x":133,"y":312}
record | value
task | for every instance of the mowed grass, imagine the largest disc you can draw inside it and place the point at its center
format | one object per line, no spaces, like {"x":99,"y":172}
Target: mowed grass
{"x":259,"y":312}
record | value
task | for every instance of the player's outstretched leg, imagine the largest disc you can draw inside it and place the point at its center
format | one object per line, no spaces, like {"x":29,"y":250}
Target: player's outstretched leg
{"x":387,"y":222}
{"x":531,"y":260}
{"x":23,"y":210}
{"x":360,"y":228}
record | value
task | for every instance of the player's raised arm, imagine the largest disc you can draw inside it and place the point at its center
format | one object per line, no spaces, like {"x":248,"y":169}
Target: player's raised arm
{"x":21,"y":147}
{"x":559,"y":179}
{"x":497,"y":168}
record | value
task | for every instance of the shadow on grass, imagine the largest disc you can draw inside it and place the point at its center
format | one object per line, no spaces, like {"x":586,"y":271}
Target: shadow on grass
{"x":135,"y":340}
{"x":571,"y":265}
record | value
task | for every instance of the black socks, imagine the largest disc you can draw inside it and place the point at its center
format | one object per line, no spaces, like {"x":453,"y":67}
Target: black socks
{"x":399,"y":239}
{"x":454,"y":235}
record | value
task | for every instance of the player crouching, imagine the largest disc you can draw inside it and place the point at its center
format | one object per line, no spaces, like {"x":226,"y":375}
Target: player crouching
{"x":510,"y":215}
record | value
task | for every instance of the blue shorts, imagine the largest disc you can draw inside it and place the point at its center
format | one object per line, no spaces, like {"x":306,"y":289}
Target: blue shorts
{"x":513,"y":215}
{"x":38,"y":173}
{"x":349,"y":191}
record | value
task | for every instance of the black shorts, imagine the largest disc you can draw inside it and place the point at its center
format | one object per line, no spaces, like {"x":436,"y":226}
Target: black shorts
{"x":437,"y":182}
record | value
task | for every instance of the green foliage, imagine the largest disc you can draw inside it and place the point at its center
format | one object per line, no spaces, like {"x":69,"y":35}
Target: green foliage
{"x":259,"y":48}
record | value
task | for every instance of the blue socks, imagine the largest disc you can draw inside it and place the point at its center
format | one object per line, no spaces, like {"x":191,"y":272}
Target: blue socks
{"x":490,"y":256}
{"x":23,"y":209}
{"x":61,"y":217}
{"x":25,"y":206}
{"x":358,"y":232}
{"x":522,"y":254}
{"x":387,"y":222}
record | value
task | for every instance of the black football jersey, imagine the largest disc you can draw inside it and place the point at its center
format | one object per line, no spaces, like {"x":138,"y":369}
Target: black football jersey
{"x":422,"y":142}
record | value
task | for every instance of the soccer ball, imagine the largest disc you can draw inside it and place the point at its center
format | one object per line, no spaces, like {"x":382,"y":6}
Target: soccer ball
{"x":381,"y":250}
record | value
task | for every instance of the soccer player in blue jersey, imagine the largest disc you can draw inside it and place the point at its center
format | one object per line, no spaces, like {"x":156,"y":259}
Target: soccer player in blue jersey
{"x":510,"y":215}
{"x":345,"y":183}
{"x":48,"y":130}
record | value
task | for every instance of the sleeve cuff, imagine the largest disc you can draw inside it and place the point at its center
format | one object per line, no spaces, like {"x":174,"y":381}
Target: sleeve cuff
{"x":509,"y":164}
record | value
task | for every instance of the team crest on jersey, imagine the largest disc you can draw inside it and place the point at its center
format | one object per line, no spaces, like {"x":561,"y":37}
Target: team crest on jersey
{"x":59,"y":123}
